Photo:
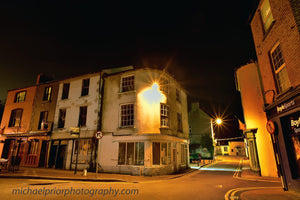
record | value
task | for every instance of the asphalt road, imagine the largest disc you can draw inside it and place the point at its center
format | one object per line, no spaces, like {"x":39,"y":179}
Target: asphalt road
{"x":212,"y":182}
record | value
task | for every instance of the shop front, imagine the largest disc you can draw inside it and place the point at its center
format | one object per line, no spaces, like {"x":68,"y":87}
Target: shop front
{"x":284,"y":127}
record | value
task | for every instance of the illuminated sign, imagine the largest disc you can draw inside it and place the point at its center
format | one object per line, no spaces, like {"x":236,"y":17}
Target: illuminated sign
{"x":294,"y":122}
{"x":285,"y":106}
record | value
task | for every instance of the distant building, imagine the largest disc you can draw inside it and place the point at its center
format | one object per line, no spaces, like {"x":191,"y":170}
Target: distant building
{"x":275,"y":26}
{"x":200,"y":129}
{"x":145,"y":123}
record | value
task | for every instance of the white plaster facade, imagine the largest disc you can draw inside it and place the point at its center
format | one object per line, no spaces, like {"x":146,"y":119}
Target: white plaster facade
{"x":63,"y":142}
{"x":171,"y":144}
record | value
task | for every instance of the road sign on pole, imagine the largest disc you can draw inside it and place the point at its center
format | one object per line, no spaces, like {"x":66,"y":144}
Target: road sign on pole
{"x":99,"y":135}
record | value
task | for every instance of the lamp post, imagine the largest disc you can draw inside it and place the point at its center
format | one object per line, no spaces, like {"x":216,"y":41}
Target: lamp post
{"x":218,"y":121}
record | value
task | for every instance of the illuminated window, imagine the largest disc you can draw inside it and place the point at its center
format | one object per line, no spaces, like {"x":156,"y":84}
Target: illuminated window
{"x":15,"y":118}
{"x":65,"y":92}
{"x":161,"y":153}
{"x":47,"y":94}
{"x":62,"y":118}
{"x":43,"y":118}
{"x":85,"y":87}
{"x":84,"y":149}
{"x":82,"y":116}
{"x":266,"y":15}
{"x":20,"y":96}
{"x":164,"y":115}
{"x":177,"y":95}
{"x":127,"y":83}
{"x":179,"y":122}
{"x":278,"y":63}
{"x":131,"y":153}
{"x":127,"y":115}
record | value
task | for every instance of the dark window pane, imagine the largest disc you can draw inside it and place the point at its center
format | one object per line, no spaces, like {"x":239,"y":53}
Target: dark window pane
{"x":65,"y":92}
{"x":85,"y":87}
{"x":122,"y":150}
{"x":156,"y":153}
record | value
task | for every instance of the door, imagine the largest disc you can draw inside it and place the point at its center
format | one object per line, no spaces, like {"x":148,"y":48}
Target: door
{"x":61,"y":157}
{"x":43,"y":155}
{"x":175,"y":160}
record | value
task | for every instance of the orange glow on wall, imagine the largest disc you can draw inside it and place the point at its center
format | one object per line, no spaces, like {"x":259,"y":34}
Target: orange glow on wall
{"x":148,"y":103}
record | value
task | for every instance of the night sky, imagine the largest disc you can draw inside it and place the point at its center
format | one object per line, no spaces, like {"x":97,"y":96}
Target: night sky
{"x":200,"y":43}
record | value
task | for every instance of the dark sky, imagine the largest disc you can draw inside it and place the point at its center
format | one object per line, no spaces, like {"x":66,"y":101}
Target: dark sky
{"x":199,"y":42}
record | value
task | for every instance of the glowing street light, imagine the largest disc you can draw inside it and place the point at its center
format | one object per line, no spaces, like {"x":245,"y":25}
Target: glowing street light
{"x":219,"y":121}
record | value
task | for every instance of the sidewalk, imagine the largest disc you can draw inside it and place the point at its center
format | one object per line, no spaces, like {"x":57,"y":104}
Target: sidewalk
{"x":273,"y":193}
{"x":59,"y":174}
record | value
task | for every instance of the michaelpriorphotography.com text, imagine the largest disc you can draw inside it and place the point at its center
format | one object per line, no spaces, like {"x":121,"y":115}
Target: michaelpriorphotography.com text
{"x":27,"y":191}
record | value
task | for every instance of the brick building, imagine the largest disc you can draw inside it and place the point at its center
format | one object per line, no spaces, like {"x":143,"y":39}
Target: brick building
{"x":275,"y":28}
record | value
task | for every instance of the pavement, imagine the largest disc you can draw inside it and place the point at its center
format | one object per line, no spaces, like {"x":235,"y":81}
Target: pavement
{"x":242,"y":172}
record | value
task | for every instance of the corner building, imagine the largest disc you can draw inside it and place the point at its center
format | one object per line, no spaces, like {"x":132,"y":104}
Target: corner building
{"x":144,"y":123}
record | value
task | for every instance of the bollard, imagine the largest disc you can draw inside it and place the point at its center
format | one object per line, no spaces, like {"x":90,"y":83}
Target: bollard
{"x":84,"y":172}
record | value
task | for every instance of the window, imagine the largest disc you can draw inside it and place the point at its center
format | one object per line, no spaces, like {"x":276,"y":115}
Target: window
{"x":179,"y":122}
{"x":177,"y":95}
{"x":47,"y":94}
{"x":164,"y":115}
{"x":164,"y":85}
{"x":131,"y":153}
{"x":225,"y":149}
{"x":82,"y":116}
{"x":65,"y":92}
{"x":84,"y":149}
{"x":266,"y":15}
{"x":20,"y":96}
{"x":127,"y":83}
{"x":183,"y":153}
{"x":161,"y":153}
{"x":127,"y":115}
{"x":278,"y":63}
{"x":43,"y":118}
{"x":62,"y":118}
{"x":85,"y":87}
{"x":15,"y":118}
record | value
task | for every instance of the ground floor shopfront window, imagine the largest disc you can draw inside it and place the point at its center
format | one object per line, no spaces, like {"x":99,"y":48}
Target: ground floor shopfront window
{"x":161,"y":153}
{"x":131,"y":153}
{"x":84,"y":151}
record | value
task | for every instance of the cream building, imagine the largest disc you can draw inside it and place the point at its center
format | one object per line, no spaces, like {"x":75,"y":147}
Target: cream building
{"x":144,"y":123}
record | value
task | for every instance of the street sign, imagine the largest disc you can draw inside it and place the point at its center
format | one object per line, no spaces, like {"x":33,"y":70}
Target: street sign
{"x":99,"y":135}
{"x":271,"y":127}
{"x":74,"y":130}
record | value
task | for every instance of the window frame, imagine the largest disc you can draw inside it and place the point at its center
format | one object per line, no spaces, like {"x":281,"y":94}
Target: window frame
{"x":47,"y":93}
{"x":82,"y":119}
{"x":165,"y":153}
{"x":179,"y":123}
{"x":85,"y":87}
{"x":124,"y":160}
{"x":178,"y":95}
{"x":61,"y":123}
{"x":65,"y":91}
{"x":13,"y":117}
{"x":18,"y":96}
{"x":121,"y":125}
{"x":164,"y":115}
{"x":267,"y":17}
{"x":45,"y":118}
{"x":280,"y":86}
{"x":127,"y":87}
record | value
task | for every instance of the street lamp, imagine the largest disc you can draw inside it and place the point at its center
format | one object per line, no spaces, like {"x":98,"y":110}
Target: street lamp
{"x":219,"y":121}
